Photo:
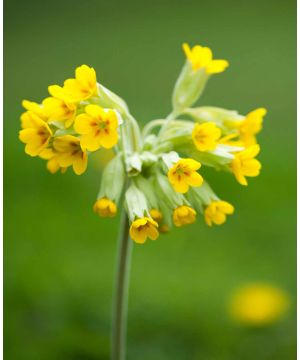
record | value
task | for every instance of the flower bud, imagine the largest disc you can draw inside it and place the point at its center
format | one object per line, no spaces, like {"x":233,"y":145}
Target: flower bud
{"x":189,"y":87}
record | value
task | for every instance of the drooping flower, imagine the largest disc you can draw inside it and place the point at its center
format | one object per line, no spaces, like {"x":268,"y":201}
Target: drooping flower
{"x":35,"y":134}
{"x":183,"y":175}
{"x":97,"y":128}
{"x":70,"y":153}
{"x":143,"y":228}
{"x":184,"y":215}
{"x":244,"y":164}
{"x":202,"y":57}
{"x":251,"y":126}
{"x":216,"y":211}
{"x":205,"y":136}
{"x":105,"y":207}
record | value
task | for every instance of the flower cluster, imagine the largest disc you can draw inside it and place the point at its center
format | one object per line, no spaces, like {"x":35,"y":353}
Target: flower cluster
{"x":157,"y":171}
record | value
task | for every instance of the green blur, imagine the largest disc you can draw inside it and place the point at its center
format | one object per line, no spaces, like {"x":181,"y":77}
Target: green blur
{"x":59,"y":256}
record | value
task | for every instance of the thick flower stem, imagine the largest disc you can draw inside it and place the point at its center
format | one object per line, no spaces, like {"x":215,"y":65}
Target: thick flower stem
{"x":120,"y":305}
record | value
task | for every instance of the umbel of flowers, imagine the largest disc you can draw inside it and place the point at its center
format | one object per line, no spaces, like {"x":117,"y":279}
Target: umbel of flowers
{"x":158,"y":168}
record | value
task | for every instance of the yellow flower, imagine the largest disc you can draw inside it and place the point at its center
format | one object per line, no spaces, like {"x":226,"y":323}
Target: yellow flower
{"x":251,"y":126}
{"x":244,"y":164}
{"x":143,"y":228}
{"x":216,"y":211}
{"x":97,"y":127}
{"x":205,"y":136}
{"x":35,"y":135}
{"x":184,"y":215}
{"x":259,"y":304}
{"x":183,"y":174}
{"x":32,"y":108}
{"x":69,"y":152}
{"x":84,"y":86}
{"x":52,"y":163}
{"x":105,"y":207}
{"x":202,"y":57}
{"x":57,"y":108}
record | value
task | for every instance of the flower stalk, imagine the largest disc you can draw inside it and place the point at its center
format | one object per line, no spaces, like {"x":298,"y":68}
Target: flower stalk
{"x":157,"y":165}
{"x":120,"y":303}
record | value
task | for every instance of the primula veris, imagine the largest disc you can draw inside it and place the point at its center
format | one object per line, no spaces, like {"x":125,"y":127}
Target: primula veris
{"x":59,"y":110}
{"x":154,"y":170}
{"x":205,"y":136}
{"x":245,"y":164}
{"x":216,"y":212}
{"x":36,"y":134}
{"x":202,"y":57}
{"x":184,"y":215}
{"x":97,"y":127}
{"x":33,"y":109}
{"x":143,"y":228}
{"x":70,"y":153}
{"x":251,"y":126}
{"x":184,"y":174}
{"x":105,"y":207}
{"x":84,"y":86}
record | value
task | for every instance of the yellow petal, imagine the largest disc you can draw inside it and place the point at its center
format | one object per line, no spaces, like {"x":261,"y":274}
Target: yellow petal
{"x":85,"y":75}
{"x":90,"y":142}
{"x":80,"y":164}
{"x":252,"y":168}
{"x":217,"y":66}
{"x":153,"y":232}
{"x":83,"y":124}
{"x":95,"y":111}
{"x":195,"y":179}
{"x":108,"y":139}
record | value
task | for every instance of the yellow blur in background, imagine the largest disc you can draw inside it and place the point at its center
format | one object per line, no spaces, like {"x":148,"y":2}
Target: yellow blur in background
{"x":259,"y":304}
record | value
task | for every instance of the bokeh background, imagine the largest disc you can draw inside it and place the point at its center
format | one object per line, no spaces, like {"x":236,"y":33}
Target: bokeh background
{"x":59,"y":256}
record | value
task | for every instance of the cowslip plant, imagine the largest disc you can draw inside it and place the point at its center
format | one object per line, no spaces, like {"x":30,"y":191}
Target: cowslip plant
{"x":155,"y":175}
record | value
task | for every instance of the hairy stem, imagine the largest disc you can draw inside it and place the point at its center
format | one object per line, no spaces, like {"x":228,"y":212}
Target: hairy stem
{"x":120,"y":305}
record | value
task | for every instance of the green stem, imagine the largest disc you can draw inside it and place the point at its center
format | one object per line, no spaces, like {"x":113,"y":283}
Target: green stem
{"x":169,"y":118}
{"x":151,"y":125}
{"x":121,"y":292}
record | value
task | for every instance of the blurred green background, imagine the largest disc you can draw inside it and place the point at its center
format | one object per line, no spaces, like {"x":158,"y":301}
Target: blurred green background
{"x":60,"y":257}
